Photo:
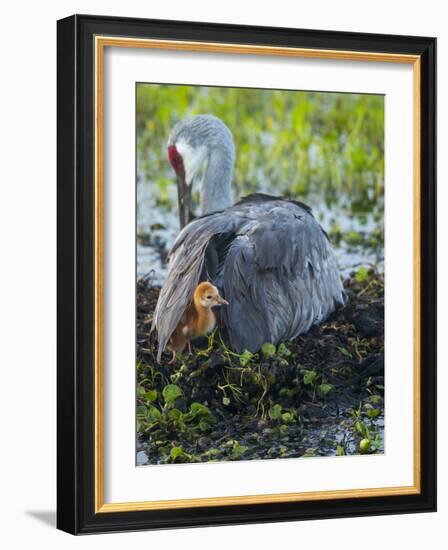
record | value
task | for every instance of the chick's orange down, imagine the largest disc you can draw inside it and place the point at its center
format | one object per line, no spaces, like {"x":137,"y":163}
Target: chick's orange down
{"x":198,"y":320}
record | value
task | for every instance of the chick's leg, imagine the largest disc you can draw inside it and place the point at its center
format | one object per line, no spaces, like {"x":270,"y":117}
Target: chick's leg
{"x":173,"y":359}
{"x":189,"y":346}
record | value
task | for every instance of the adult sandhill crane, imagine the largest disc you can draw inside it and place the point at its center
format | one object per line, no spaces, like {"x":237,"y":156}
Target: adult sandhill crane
{"x":268,"y":256}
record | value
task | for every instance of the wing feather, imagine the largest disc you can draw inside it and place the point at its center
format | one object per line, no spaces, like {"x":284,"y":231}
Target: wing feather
{"x":186,"y":264}
{"x":272,"y":261}
{"x":280,"y":278}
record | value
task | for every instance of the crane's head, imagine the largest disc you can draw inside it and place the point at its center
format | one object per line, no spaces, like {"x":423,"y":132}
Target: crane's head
{"x":191,"y":143}
{"x":207,"y":295}
{"x":186,"y":161}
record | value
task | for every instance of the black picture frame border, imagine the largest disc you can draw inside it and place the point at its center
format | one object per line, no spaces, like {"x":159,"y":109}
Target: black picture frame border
{"x":75,"y":294}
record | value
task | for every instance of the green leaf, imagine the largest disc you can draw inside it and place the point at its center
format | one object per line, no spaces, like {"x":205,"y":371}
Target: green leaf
{"x":176,"y":414}
{"x":309,"y":377}
{"x":226,"y":401}
{"x":245,"y":357}
{"x":237,"y":449}
{"x":283,"y":350}
{"x":325,"y":388}
{"x":352,"y":237}
{"x":360,"y":428}
{"x":176,"y":452}
{"x":364,"y":445}
{"x":373,"y":413}
{"x":170,"y":393}
{"x":287,"y":417}
{"x":275,"y":412}
{"x":153,"y":413}
{"x":268,"y":349}
{"x":150,"y":396}
{"x":199,"y":409}
{"x":340,"y":450}
{"x":362,"y":274}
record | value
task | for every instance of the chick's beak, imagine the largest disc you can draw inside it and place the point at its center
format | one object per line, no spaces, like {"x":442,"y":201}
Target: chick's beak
{"x":221,"y":301}
{"x":184,"y":198}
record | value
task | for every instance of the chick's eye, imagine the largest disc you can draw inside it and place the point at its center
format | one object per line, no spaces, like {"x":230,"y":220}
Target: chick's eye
{"x":209,"y":297}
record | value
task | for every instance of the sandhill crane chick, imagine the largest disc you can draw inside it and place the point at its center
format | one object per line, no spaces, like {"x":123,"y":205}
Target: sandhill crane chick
{"x":198,"y":320}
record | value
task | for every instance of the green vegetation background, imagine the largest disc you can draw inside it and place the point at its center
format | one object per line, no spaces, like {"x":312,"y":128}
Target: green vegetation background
{"x":324,"y":148}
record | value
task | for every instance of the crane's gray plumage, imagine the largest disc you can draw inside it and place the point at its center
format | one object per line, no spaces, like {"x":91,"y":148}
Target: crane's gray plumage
{"x":268,"y":256}
{"x":213,"y":142}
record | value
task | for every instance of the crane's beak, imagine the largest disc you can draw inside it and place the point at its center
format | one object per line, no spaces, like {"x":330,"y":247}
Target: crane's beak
{"x":184,"y":198}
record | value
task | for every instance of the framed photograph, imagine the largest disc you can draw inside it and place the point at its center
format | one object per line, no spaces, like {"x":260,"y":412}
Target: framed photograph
{"x":246,"y":274}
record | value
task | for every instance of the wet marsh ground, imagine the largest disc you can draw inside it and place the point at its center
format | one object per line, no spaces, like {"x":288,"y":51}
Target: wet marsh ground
{"x":319,"y":395}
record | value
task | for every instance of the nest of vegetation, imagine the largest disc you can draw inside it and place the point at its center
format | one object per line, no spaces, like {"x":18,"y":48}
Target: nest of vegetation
{"x":319,"y":395}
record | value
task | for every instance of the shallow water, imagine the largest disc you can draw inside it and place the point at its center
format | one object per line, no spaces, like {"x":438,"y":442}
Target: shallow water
{"x":320,"y":438}
{"x":157,"y":228}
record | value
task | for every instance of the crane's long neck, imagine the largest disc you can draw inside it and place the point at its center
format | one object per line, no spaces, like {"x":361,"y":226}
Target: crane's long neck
{"x":216,"y":188}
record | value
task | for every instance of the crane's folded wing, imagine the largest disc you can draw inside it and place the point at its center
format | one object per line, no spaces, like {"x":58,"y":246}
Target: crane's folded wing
{"x":271,"y":259}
